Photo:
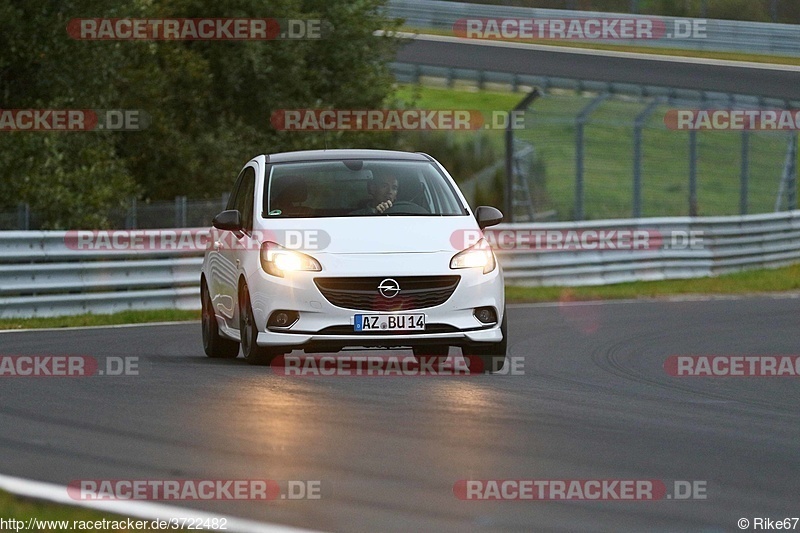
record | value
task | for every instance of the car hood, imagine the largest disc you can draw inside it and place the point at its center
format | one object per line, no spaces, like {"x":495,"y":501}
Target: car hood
{"x":370,"y":235}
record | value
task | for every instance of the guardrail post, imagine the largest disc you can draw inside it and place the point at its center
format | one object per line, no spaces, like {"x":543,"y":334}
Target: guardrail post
{"x":745,"y":173}
{"x":693,"y":173}
{"x":24,"y":216}
{"x":580,"y":122}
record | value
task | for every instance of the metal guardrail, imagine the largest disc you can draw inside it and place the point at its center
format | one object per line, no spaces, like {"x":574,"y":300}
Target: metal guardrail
{"x":729,"y":244}
{"x":413,"y":73}
{"x":721,"y":35}
{"x":41,"y":276}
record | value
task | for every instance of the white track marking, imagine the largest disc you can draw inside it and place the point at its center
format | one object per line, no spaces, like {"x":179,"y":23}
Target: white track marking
{"x":135,"y":509}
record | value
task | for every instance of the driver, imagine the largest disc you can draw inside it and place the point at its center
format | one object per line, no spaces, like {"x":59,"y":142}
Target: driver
{"x":383,"y":193}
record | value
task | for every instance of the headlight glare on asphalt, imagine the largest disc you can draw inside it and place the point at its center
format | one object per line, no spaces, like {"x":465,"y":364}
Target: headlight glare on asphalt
{"x":479,"y":255}
{"x":277,"y":260}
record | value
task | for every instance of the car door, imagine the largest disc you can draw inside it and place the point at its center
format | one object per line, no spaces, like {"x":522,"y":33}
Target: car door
{"x":235,"y":244}
{"x":222,"y":271}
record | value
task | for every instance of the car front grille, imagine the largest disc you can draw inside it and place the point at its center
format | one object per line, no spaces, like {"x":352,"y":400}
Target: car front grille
{"x":416,"y":292}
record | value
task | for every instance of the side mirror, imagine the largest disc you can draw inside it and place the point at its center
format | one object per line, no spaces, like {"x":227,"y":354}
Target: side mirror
{"x":488,"y":216}
{"x":230,"y":220}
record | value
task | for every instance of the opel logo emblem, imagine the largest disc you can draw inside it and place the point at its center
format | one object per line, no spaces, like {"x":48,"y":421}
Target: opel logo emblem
{"x":389,"y":288}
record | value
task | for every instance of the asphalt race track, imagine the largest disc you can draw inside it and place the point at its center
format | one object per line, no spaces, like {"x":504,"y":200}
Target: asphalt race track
{"x":760,"y":80}
{"x":594,"y":403}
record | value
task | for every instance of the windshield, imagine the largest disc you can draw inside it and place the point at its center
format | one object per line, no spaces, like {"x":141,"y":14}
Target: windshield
{"x":358,"y":188}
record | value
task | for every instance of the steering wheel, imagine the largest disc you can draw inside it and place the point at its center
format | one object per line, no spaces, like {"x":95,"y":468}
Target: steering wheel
{"x":406,"y":207}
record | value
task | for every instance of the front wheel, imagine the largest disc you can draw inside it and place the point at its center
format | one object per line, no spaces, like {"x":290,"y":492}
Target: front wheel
{"x":491,"y":355}
{"x":214,"y":344}
{"x":253,"y":353}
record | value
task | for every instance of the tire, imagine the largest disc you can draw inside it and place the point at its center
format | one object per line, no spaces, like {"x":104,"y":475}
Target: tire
{"x":215,"y":345}
{"x":253,"y":353}
{"x":491,"y":355}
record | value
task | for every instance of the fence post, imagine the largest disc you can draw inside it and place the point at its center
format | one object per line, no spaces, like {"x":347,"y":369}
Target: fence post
{"x":580,"y":122}
{"x":745,"y":173}
{"x":132,"y":219}
{"x":180,"y":211}
{"x":693,"y":173}
{"x":637,"y":156}
{"x":24,"y":216}
{"x":508,"y":194}
{"x":791,"y":192}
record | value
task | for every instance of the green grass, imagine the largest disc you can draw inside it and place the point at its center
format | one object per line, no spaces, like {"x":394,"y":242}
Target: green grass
{"x":125,"y":317}
{"x":750,"y":282}
{"x":19,"y":508}
{"x":706,"y":54}
{"x":608,"y":155}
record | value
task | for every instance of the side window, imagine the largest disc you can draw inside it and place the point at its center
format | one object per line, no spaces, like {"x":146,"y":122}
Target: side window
{"x":245,"y":197}
{"x":236,"y":187}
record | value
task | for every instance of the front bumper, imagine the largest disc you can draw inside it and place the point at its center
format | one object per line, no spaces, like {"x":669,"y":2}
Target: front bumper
{"x":452,"y":322}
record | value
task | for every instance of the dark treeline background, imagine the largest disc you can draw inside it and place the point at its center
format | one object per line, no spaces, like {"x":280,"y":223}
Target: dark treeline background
{"x":210,"y":101}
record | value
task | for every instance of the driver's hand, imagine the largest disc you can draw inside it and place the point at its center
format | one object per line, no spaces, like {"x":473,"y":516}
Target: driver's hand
{"x":383,"y":206}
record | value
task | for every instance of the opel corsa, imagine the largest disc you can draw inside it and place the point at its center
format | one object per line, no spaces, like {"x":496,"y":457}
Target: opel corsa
{"x":331,"y":249}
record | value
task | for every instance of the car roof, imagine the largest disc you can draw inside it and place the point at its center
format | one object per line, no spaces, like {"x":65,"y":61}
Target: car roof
{"x":335,"y":155}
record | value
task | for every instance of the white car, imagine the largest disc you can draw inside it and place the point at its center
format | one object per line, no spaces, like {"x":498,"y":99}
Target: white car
{"x":327,"y":249}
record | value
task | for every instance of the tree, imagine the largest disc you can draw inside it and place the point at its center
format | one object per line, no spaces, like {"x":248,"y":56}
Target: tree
{"x":209,"y":102}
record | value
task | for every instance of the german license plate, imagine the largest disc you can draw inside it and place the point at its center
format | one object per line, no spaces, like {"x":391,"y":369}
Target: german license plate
{"x":399,"y":322}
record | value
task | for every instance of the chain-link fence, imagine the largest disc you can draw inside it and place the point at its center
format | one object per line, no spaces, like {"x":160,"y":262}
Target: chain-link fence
{"x":179,"y":213}
{"x":603,"y":156}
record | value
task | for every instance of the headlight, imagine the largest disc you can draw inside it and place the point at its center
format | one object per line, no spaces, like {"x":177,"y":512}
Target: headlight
{"x":276,"y":260}
{"x":479,"y":255}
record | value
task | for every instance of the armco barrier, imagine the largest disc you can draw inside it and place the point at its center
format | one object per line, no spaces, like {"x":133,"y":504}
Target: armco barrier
{"x":41,"y":276}
{"x":721,"y":35}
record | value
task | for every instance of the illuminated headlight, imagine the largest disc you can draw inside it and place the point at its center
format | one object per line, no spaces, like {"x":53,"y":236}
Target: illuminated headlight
{"x":479,"y":255}
{"x":276,"y":260}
